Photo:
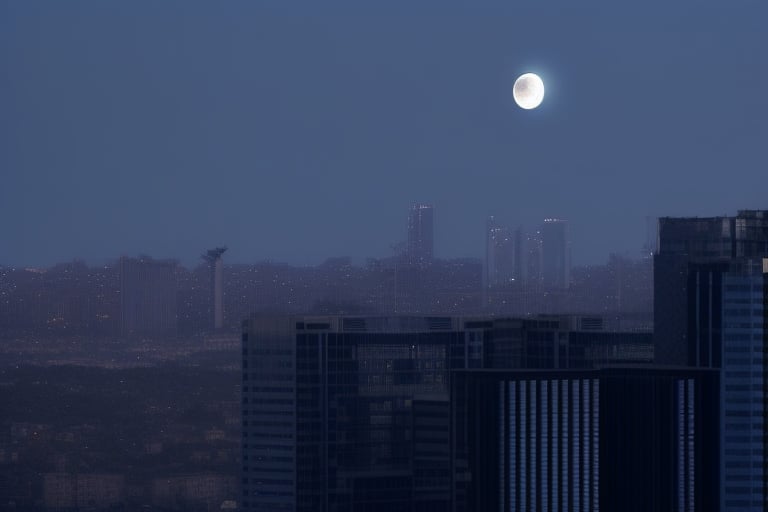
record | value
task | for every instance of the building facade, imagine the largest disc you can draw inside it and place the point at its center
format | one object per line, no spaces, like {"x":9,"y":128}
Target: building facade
{"x":555,"y":255}
{"x":346,"y":413}
{"x":420,"y":247}
{"x":503,"y":256}
{"x":623,"y":438}
{"x":685,"y":246}
{"x":336,"y":412}
{"x":148,"y":296}
{"x":213,"y":259}
{"x":710,"y":311}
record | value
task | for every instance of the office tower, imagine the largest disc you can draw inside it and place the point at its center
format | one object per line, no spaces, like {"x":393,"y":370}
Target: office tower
{"x":622,"y":438}
{"x":742,"y":398}
{"x":216,"y":270}
{"x":420,"y":234}
{"x":492,"y":235}
{"x":555,"y":255}
{"x":533,"y":260}
{"x":339,"y":413}
{"x":710,"y":310}
{"x":351,"y":413}
{"x":685,"y":243}
{"x":521,"y":265}
{"x":501,"y":255}
{"x":148,"y":296}
{"x":725,"y":319}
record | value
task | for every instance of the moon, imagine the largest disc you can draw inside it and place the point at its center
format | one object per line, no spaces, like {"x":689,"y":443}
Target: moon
{"x":528,"y":91}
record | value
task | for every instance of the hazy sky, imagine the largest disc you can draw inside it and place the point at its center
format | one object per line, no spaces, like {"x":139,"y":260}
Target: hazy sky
{"x":296,"y":131}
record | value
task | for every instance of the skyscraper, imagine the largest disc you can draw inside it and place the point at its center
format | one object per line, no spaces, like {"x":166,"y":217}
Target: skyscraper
{"x":420,"y":234}
{"x":502,"y":255}
{"x":710,"y":308}
{"x":686,"y":248}
{"x":148,"y":296}
{"x":216,"y":270}
{"x":492,"y":235}
{"x":348,"y":413}
{"x":555,"y":255}
{"x":339,"y":413}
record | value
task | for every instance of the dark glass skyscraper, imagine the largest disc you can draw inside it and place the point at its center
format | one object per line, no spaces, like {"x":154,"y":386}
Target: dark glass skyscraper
{"x":347,"y":413}
{"x":691,"y":256}
{"x":710,"y":311}
{"x":420,"y":234}
{"x":344,"y":413}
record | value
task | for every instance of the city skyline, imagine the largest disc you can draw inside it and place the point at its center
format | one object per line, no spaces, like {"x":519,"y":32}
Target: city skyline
{"x":349,"y":257}
{"x":398,"y":247}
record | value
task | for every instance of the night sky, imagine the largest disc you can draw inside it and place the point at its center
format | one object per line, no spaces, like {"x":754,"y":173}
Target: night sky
{"x":298,"y":131}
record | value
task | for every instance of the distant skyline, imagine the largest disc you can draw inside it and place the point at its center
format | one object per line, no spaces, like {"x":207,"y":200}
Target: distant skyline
{"x":296,"y":132}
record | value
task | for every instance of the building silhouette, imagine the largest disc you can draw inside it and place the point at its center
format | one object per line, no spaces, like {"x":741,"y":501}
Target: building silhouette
{"x":352,"y":413}
{"x":615,"y":438}
{"x":710,"y":310}
{"x":147,"y":296}
{"x":213,"y":259}
{"x":420,"y":247}
{"x":555,"y":255}
{"x":503,"y":255}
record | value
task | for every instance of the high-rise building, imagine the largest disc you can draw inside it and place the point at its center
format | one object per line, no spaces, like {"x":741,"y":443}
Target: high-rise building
{"x":148,"y":296}
{"x":621,"y":438}
{"x":502,"y":255}
{"x":352,"y":413}
{"x":686,"y":243}
{"x":555,"y":255}
{"x":742,"y":396}
{"x":336,"y":412}
{"x":492,"y":235}
{"x":216,"y":270}
{"x":420,"y":234}
{"x":710,"y":311}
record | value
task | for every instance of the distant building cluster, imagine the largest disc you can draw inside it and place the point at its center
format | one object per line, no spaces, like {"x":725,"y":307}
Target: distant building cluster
{"x":538,"y":260}
{"x":523,"y":273}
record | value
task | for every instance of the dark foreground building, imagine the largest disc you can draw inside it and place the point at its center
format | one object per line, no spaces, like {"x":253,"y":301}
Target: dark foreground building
{"x":629,"y":439}
{"x":711,"y":311}
{"x":352,"y":413}
{"x":692,"y":254}
{"x":348,"y":413}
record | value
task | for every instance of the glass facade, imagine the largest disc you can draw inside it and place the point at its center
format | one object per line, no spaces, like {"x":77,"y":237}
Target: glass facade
{"x":353,"y":413}
{"x":347,"y":414}
{"x":552,"y":444}
{"x":622,"y":438}
{"x":742,"y":396}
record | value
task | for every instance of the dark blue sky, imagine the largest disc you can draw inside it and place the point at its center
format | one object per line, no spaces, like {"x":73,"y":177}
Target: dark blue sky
{"x":297,"y":131}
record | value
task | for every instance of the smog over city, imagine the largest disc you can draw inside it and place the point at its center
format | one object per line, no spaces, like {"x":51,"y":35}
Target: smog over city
{"x":383,"y":256}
